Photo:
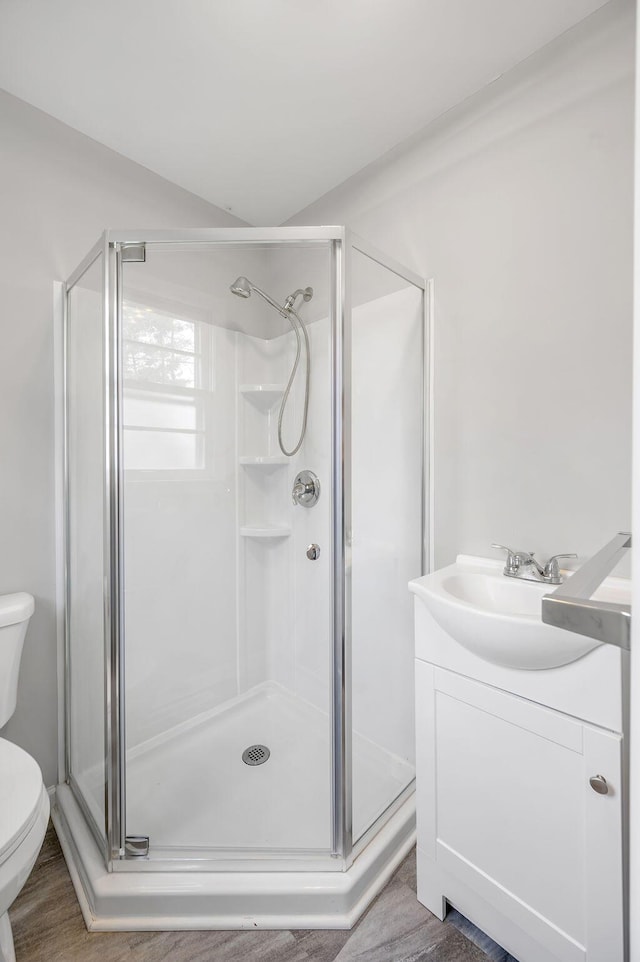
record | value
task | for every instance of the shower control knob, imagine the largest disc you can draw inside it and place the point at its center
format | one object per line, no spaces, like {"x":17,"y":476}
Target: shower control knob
{"x":313,"y":552}
{"x":306,"y":489}
{"x":599,"y":784}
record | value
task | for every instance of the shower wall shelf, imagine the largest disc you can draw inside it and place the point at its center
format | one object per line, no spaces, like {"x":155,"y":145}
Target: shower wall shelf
{"x":257,"y":431}
{"x":265,"y":531}
{"x":262,"y":396}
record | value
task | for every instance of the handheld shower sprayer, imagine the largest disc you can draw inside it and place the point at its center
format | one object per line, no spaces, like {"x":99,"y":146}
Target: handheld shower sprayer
{"x":243,"y":287}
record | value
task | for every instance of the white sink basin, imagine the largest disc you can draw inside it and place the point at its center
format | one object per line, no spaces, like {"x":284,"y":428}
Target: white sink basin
{"x":499,"y":618}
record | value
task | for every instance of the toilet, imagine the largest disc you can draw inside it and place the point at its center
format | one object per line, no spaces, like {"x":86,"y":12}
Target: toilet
{"x":24,"y":803}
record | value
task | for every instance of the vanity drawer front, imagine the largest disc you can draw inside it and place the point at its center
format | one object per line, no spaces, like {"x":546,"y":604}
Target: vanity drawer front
{"x":506,"y":807}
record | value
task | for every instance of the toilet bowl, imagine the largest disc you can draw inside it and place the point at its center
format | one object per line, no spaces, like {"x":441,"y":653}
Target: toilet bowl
{"x":24,"y":803}
{"x":24,"y":814}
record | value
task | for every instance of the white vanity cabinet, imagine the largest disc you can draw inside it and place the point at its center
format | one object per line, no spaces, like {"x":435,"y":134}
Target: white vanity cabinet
{"x":510,"y":830}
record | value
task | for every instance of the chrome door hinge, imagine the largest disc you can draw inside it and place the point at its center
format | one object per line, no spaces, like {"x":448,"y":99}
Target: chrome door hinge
{"x":136,"y":846}
{"x":133,"y":253}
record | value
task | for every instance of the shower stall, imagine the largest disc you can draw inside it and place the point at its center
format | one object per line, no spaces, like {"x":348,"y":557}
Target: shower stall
{"x":246,"y":492}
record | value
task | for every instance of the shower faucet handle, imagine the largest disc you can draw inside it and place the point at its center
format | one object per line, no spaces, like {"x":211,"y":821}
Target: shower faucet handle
{"x":300,"y":490}
{"x":306,"y":489}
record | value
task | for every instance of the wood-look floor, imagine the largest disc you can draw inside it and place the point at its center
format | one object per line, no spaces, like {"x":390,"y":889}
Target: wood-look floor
{"x":48,"y":927}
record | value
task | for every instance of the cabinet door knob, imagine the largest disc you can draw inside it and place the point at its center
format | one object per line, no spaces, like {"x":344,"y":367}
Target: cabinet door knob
{"x":599,"y":784}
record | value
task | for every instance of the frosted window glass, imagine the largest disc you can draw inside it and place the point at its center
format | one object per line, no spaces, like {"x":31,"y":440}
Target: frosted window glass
{"x":160,"y":348}
{"x":150,"y":326}
{"x":160,"y":412}
{"x":158,"y":365}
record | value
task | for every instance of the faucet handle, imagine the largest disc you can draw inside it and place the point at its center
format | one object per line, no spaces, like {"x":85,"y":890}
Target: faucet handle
{"x":503,"y":546}
{"x":510,"y":563}
{"x":554,"y":557}
{"x":552,"y":569}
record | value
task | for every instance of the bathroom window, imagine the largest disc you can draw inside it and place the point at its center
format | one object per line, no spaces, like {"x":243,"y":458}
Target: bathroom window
{"x":167,"y":374}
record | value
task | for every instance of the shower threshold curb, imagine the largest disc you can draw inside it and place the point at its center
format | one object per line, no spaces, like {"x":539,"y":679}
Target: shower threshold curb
{"x":162,"y":900}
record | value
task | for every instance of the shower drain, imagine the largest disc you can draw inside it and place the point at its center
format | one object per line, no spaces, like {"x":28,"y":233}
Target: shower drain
{"x":255,"y":755}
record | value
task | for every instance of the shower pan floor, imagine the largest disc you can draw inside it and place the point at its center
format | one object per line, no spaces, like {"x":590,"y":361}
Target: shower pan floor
{"x":190,"y":789}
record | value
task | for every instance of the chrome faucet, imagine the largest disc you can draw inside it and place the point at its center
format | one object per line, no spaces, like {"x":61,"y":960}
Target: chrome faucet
{"x":518,"y":562}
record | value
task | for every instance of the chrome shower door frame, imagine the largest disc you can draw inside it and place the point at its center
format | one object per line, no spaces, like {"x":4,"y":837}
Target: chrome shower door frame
{"x":342,"y":242}
{"x":108,"y":834}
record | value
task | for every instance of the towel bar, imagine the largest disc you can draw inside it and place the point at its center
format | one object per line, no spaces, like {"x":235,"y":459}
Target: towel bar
{"x":570,"y":606}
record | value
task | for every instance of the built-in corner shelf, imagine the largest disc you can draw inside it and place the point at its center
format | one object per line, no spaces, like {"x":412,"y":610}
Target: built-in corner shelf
{"x":264,"y":461}
{"x":265,"y":531}
{"x":268,"y":482}
{"x":262,"y":396}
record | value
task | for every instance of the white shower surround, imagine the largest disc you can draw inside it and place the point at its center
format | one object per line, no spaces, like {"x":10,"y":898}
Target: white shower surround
{"x":280,"y":634}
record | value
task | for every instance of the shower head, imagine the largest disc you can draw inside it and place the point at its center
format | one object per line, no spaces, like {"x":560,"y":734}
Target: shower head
{"x":243,"y":287}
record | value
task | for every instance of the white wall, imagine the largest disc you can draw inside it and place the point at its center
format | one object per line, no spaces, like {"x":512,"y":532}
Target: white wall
{"x":58,"y":191}
{"x":519,"y":204}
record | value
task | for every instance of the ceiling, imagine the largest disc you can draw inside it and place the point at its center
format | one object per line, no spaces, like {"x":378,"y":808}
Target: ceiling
{"x":262,"y":106}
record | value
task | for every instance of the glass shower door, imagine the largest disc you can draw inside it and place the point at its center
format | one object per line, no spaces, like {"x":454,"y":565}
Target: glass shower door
{"x":387,"y":525}
{"x":227,"y":643}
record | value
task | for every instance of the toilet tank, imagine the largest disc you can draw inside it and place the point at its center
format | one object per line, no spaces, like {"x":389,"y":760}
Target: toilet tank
{"x":15,"y":611}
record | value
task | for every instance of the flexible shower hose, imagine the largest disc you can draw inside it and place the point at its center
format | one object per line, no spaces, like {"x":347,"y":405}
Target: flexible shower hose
{"x":285,"y":396}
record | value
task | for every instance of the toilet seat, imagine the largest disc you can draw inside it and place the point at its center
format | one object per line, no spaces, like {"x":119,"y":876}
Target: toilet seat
{"x":21,"y":791}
